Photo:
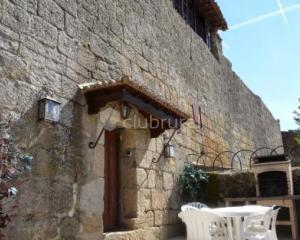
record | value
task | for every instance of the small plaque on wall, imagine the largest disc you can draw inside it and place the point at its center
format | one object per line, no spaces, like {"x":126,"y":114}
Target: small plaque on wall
{"x":197,"y":114}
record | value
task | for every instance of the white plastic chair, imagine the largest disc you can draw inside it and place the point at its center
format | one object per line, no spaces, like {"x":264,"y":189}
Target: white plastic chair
{"x":272,"y":232}
{"x":202,"y":225}
{"x":193,"y":206}
{"x":257,"y":226}
{"x":198,"y":205}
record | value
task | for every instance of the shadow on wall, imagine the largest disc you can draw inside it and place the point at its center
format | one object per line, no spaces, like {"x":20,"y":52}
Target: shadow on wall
{"x":149,"y":196}
{"x":46,"y":202}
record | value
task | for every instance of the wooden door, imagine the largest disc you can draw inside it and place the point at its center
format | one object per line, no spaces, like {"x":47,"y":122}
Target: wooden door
{"x":111,"y":171}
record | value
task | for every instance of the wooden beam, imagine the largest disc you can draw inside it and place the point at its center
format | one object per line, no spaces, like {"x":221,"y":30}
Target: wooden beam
{"x":151,"y":109}
{"x":159,"y":117}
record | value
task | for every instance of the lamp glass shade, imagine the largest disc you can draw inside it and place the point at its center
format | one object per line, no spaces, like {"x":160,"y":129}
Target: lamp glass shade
{"x":170,"y":151}
{"x":49,"y":110}
{"x":125,"y":110}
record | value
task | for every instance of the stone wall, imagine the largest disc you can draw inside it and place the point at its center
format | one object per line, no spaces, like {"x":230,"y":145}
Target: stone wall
{"x":48,"y":47}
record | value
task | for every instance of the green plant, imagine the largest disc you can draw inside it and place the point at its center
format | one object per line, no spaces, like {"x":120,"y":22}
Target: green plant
{"x":193,"y":181}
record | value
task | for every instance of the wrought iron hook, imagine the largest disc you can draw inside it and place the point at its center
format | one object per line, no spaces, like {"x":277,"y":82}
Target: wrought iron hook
{"x":92,"y":145}
{"x":154,"y":160}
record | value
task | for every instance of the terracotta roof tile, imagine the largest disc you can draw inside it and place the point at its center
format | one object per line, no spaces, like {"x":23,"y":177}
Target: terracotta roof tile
{"x":137,"y":86}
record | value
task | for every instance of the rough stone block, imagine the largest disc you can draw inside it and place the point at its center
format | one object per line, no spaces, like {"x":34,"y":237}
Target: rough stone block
{"x":8,"y":39}
{"x":86,"y":58}
{"x":8,"y":88}
{"x":15,"y":17}
{"x":86,"y":18}
{"x":151,"y":179}
{"x":91,"y":196}
{"x":91,"y":6}
{"x":83,"y":33}
{"x":144,"y":200}
{"x":173,"y":199}
{"x":99,"y":75}
{"x":141,"y":177}
{"x":69,"y":228}
{"x":151,"y":234}
{"x":134,"y":223}
{"x":67,"y":46}
{"x":70,"y":25}
{"x":169,"y":232}
{"x":143,"y":158}
{"x":68,"y":5}
{"x":99,"y":47}
{"x":116,"y":27}
{"x":78,"y":68}
{"x":51,"y":79}
{"x":98,"y":161}
{"x":61,"y":197}
{"x":43,"y":31}
{"x":168,"y":181}
{"x":51,"y":12}
{"x":158,"y":218}
{"x":129,"y":208}
{"x":32,"y":6}
{"x":91,"y":223}
{"x":102,"y":66}
{"x":90,"y":236}
{"x":159,"y":200}
{"x":149,"y":218}
{"x":35,"y":202}
{"x":101,"y":31}
{"x":20,"y":3}
{"x":137,"y":74}
{"x":159,"y":181}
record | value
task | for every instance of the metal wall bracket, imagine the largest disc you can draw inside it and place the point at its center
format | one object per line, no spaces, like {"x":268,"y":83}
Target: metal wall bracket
{"x":154,"y":160}
{"x":92,"y":145}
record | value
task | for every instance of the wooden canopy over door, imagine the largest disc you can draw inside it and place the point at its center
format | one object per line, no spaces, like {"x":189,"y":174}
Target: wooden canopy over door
{"x":111,"y":171}
{"x":161,"y":114}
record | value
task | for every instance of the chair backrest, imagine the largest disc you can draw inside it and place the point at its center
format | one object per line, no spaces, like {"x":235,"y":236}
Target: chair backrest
{"x":204,"y":225}
{"x":188,"y":208}
{"x":193,"y":206}
{"x":273,"y":223}
{"x":262,"y":220}
{"x":198,"y":205}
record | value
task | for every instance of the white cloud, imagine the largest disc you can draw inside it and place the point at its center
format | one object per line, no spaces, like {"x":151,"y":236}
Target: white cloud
{"x":266,"y":16}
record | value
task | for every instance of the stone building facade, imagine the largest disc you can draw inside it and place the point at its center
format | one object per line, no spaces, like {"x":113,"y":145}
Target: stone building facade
{"x":55,"y":47}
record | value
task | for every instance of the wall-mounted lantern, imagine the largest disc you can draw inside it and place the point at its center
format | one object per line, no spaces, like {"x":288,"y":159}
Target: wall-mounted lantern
{"x":169,"y":151}
{"x":125,"y":110}
{"x":49,"y":110}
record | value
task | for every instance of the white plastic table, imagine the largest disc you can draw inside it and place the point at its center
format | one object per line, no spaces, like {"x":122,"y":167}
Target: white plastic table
{"x":237,"y":213}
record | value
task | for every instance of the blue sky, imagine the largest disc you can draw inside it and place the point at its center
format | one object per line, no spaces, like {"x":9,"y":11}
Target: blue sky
{"x":265,"y":52}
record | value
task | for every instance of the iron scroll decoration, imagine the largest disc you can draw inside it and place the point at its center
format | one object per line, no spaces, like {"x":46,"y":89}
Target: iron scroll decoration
{"x":219,"y":155}
{"x":199,"y":157}
{"x":275,"y":149}
{"x":255,"y":153}
{"x":236,"y":155}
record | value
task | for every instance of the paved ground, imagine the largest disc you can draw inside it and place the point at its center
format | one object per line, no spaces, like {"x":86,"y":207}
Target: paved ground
{"x":184,"y":238}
